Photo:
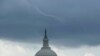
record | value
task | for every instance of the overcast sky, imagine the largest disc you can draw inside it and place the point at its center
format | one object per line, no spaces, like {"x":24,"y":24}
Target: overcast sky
{"x":70,"y":24}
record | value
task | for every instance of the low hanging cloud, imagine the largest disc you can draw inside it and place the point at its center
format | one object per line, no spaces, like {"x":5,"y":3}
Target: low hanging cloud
{"x":12,"y":48}
{"x":25,"y":21}
{"x":9,"y":48}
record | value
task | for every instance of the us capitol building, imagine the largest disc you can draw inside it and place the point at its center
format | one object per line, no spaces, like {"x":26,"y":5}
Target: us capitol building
{"x":45,"y":50}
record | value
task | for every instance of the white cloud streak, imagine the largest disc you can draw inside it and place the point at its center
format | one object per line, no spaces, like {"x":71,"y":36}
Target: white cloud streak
{"x":36,"y":7}
{"x":44,"y":14}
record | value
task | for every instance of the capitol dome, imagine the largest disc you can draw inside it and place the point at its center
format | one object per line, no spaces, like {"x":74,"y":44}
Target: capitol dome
{"x":45,"y":50}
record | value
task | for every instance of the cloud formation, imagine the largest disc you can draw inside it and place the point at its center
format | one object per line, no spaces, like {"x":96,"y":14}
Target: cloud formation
{"x":25,"y":20}
{"x":11,"y":48}
{"x":8,"y":48}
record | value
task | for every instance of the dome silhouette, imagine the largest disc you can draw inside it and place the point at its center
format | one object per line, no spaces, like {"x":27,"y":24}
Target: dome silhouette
{"x":45,"y":50}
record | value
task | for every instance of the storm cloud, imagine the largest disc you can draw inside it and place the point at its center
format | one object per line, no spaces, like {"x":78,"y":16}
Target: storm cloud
{"x":69,"y":22}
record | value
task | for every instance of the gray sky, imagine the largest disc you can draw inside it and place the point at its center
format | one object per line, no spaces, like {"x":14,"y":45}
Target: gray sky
{"x":73,"y":27}
{"x":70,"y":23}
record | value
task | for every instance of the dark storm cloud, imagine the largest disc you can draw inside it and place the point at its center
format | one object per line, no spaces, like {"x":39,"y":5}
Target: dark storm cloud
{"x":69,"y":22}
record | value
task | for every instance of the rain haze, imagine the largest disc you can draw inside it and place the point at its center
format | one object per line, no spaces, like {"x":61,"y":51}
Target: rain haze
{"x":73,"y":27}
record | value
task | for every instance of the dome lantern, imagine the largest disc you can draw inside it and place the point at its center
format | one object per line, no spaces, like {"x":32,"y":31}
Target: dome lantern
{"x":45,"y":50}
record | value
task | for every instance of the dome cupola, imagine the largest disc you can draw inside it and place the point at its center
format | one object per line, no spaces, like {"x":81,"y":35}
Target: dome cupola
{"x":45,"y":50}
